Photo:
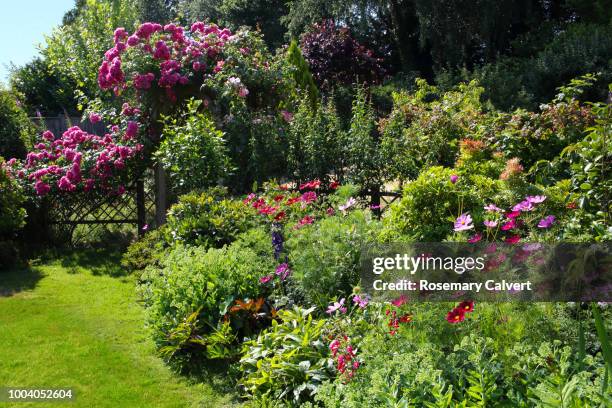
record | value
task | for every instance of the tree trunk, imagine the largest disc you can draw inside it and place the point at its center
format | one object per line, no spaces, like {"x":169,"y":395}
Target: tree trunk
{"x":161,"y":195}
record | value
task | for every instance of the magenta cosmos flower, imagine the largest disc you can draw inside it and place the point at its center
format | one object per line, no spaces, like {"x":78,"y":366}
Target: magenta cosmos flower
{"x":336,"y":306}
{"x":547,"y":222}
{"x":463,"y":223}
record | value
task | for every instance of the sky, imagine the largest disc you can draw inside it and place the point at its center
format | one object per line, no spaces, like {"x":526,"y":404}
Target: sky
{"x":23,"y":24}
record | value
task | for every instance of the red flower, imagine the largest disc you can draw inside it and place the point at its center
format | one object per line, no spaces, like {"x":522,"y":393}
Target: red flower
{"x":293,"y":200}
{"x":467,"y":306}
{"x":513,"y":239}
{"x":334,"y":185}
{"x":268,"y":210}
{"x":513,"y":214}
{"x":279,"y":198}
{"x":455,"y":316}
{"x":311,"y":185}
{"x":407,"y":318}
{"x":279,"y":216}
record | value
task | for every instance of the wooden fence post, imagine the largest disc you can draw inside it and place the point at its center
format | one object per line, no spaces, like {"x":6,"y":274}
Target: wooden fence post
{"x":161,"y":195}
{"x":140,"y":207}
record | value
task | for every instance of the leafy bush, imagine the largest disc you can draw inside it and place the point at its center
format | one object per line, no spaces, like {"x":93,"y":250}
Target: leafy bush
{"x":424,"y":128}
{"x":208,"y":219}
{"x":289,"y":361}
{"x":203,"y":281}
{"x":316,"y":143}
{"x":325,"y":256}
{"x":335,"y":57}
{"x":192,"y":150}
{"x":148,"y":250}
{"x":15,"y":127}
{"x":12,"y":213}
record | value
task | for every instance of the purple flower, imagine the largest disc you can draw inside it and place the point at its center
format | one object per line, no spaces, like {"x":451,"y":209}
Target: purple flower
{"x":145,"y":227}
{"x":463,"y":223}
{"x":535,"y":199}
{"x":523,"y":206}
{"x":454,"y":178}
{"x":283,"y":271}
{"x":277,"y":243}
{"x":362,"y":302}
{"x":493,"y":208}
{"x":546,"y":222}
{"x":490,"y":224}
{"x":336,"y":306}
{"x":266,"y":279}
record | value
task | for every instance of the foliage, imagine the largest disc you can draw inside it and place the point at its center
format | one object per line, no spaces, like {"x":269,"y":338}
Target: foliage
{"x":289,"y":361}
{"x":148,"y":250}
{"x":209,"y":219}
{"x":12,"y":213}
{"x":503,"y":357}
{"x":325,"y":256}
{"x":590,"y":163}
{"x":424,"y":128}
{"x":365,"y":166}
{"x":15,"y":127}
{"x":316,"y":143}
{"x":192,"y":150}
{"x":301,"y":74}
{"x":72,"y":52}
{"x":334,"y":57}
{"x":207,"y":281}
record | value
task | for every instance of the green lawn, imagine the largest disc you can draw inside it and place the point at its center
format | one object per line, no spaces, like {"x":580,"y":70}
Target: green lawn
{"x":75,"y":322}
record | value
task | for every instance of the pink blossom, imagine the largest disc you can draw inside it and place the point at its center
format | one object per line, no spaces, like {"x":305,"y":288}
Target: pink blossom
{"x":48,"y":135}
{"x":490,"y":224}
{"x":41,"y":188}
{"x":94,"y":117}
{"x":463,"y":223}
{"x":546,"y":222}
{"x":454,"y":178}
{"x":336,"y":306}
{"x":475,"y":238}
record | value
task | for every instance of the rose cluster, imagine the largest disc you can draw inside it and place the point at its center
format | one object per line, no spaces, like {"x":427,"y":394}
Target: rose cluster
{"x":177,"y":53}
{"x":78,"y":161}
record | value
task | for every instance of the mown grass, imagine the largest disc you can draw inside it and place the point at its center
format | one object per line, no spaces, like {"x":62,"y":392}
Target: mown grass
{"x":75,"y":322}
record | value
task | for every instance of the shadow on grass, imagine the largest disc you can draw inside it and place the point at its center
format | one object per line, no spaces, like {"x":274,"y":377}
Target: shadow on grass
{"x":99,"y":261}
{"x":18,"y":280}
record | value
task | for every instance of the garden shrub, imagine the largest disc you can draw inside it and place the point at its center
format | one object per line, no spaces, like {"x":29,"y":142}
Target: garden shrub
{"x":424,"y":128}
{"x":192,"y":150}
{"x":12,"y":217}
{"x":15,"y":127}
{"x":325,"y":256}
{"x":288,"y":362}
{"x":148,"y":250}
{"x":430,"y":203}
{"x":336,"y":58}
{"x":205,"y":282}
{"x":316,"y":143}
{"x":209,"y":219}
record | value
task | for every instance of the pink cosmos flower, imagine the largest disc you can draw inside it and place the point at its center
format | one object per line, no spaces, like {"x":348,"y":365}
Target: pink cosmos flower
{"x":349,"y":203}
{"x":547,"y":221}
{"x":266,"y":279}
{"x":283,"y":271}
{"x":336,"y":306}
{"x":475,"y":238}
{"x":490,"y":224}
{"x":513,"y":214}
{"x":463,"y":223}
{"x":523,"y":206}
{"x":362,"y":302}
{"x":492,"y":208}
{"x":309,"y":197}
{"x":535,"y":199}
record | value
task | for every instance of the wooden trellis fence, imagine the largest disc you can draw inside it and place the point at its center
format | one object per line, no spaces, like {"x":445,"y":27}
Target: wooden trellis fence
{"x":93,"y":211}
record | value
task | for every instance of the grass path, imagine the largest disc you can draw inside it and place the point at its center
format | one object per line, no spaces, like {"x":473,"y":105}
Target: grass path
{"x":65,"y":325}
